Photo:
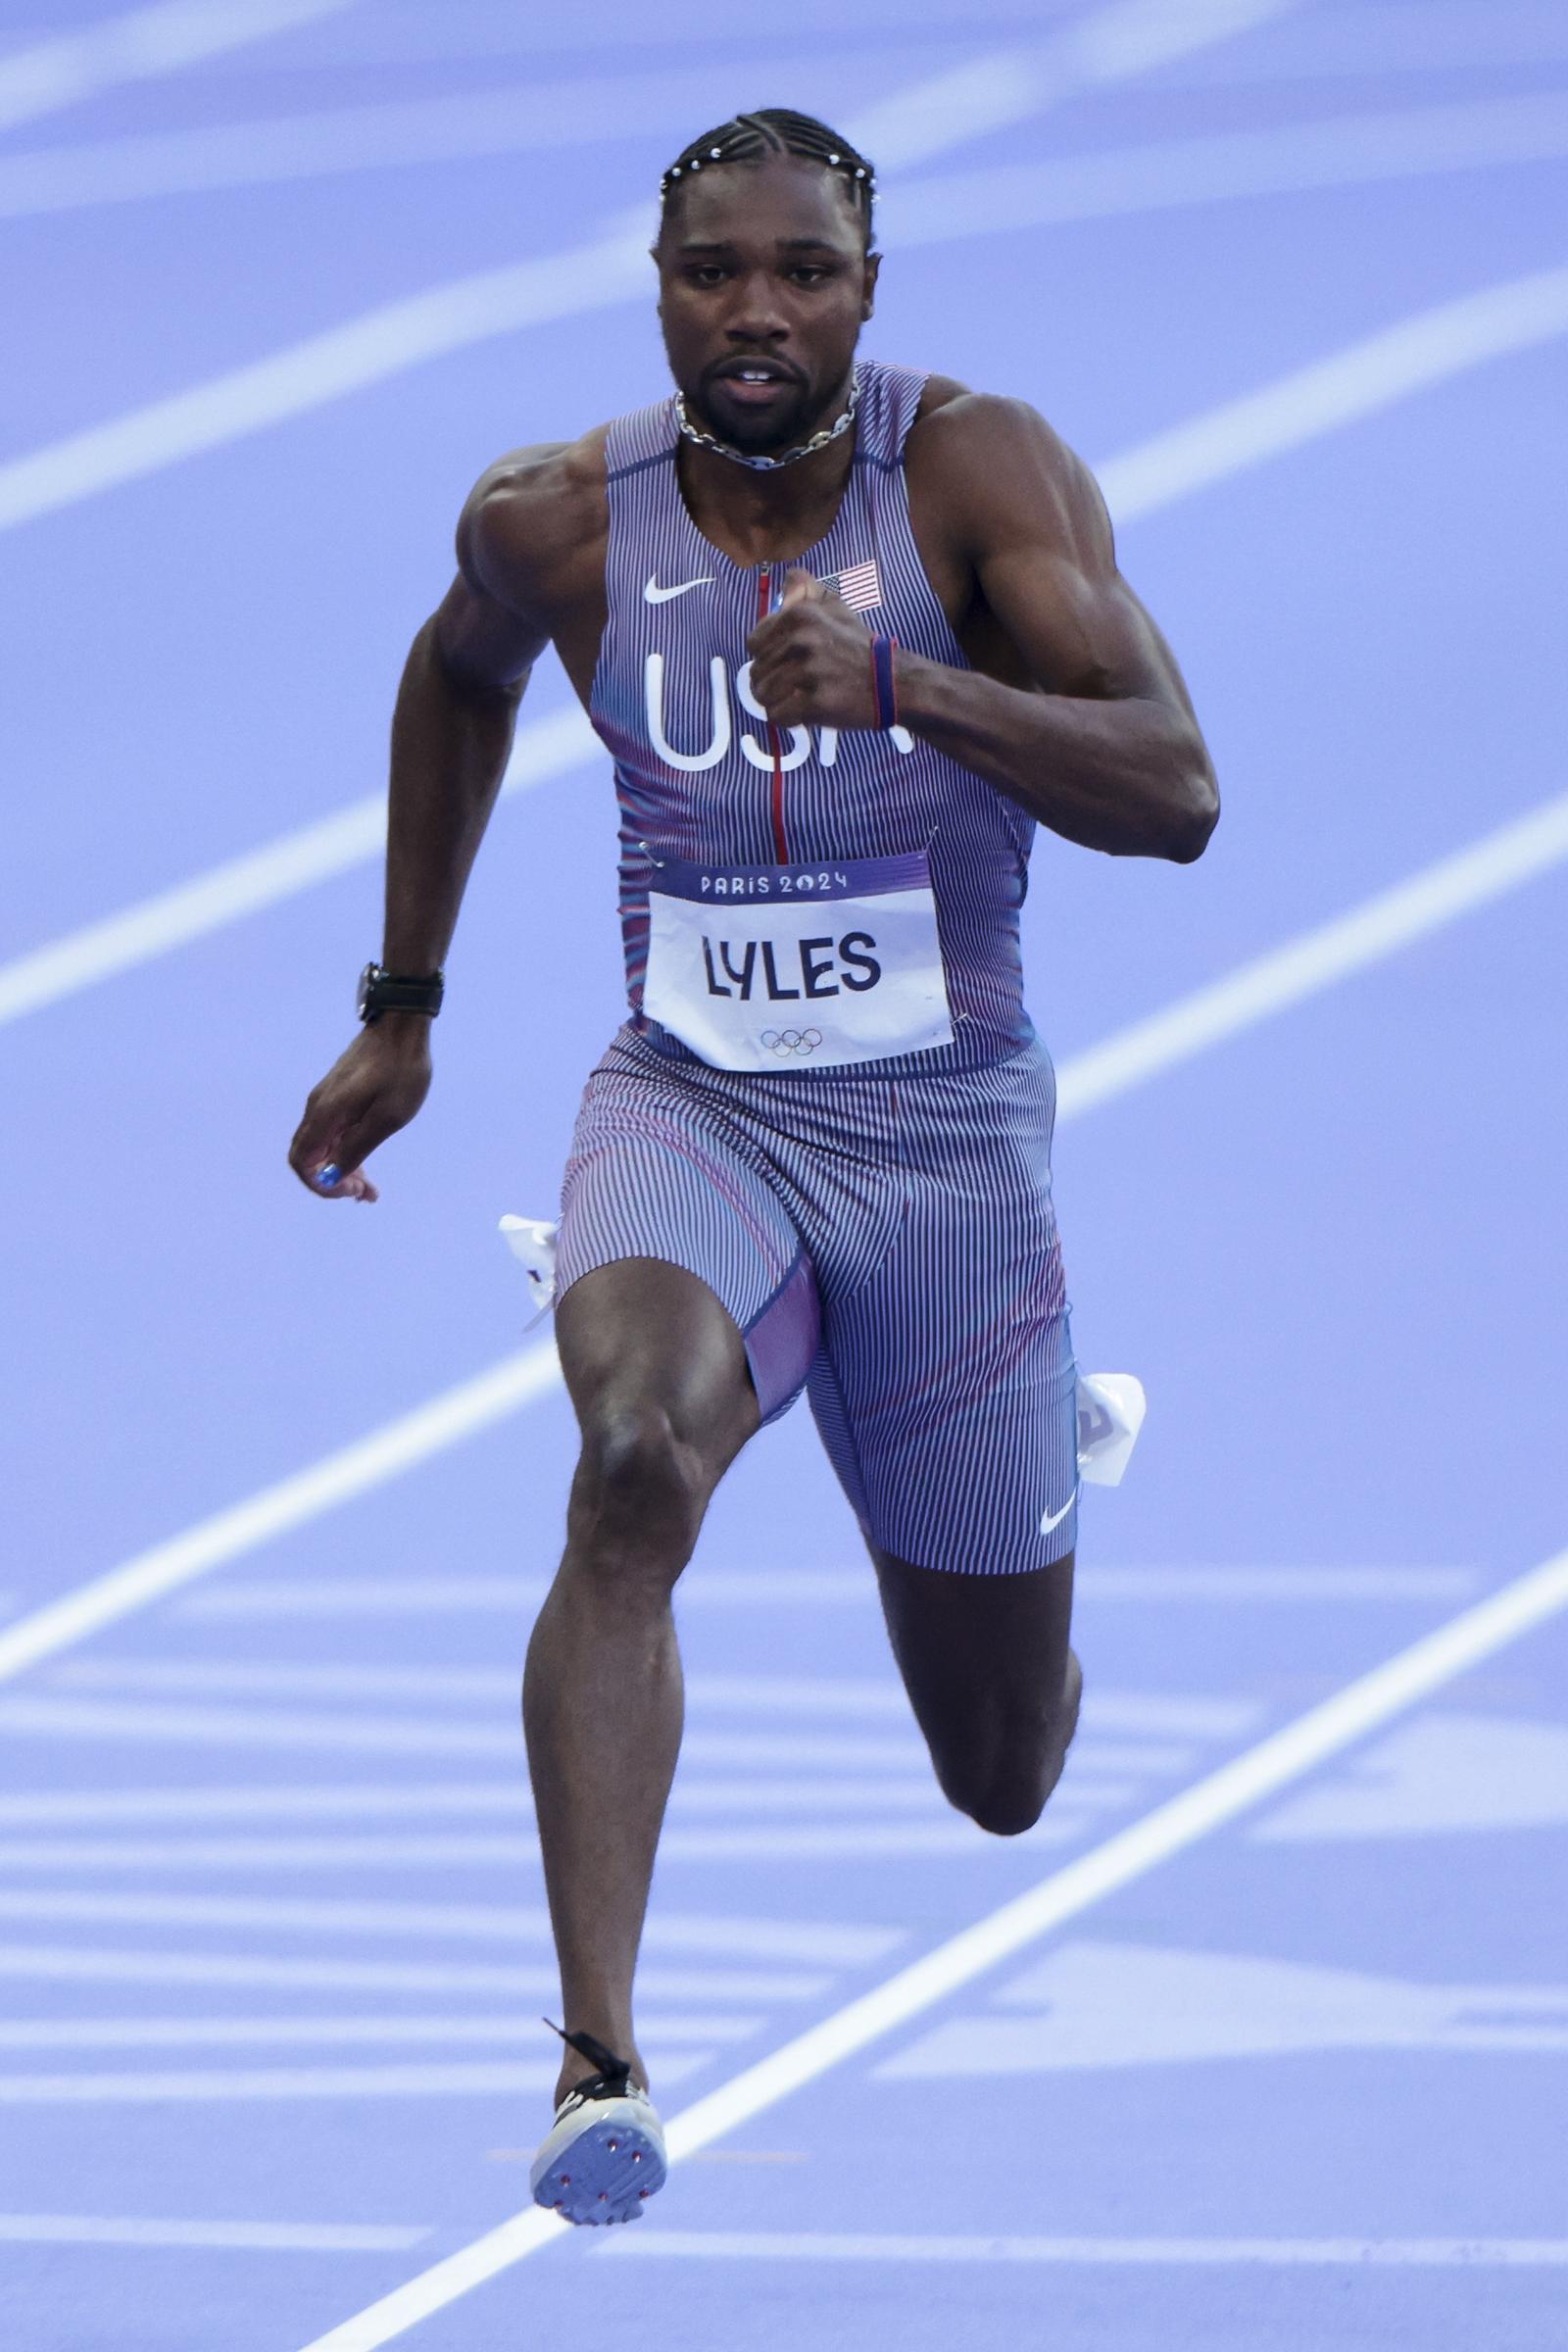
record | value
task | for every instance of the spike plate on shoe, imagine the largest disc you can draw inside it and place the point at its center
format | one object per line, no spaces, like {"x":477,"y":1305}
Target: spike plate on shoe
{"x":601,"y":2161}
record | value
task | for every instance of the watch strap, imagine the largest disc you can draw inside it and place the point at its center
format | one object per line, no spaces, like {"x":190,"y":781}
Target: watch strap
{"x":399,"y":992}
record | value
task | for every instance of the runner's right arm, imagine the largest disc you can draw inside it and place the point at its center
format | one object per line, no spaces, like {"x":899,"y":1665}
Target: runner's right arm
{"x":452,"y":732}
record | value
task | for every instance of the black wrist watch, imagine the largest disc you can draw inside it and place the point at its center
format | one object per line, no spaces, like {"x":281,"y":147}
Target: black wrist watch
{"x":399,"y":992}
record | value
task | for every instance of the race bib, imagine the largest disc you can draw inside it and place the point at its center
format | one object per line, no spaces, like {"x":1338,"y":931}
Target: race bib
{"x":787,"y":967}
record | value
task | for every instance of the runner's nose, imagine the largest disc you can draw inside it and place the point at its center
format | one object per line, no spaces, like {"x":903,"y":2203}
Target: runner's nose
{"x":755,"y":317}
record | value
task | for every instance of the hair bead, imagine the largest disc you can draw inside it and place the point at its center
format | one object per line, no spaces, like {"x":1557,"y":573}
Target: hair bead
{"x":778,"y":130}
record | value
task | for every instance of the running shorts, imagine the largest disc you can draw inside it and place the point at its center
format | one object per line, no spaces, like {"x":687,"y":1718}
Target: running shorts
{"x":890,"y":1245}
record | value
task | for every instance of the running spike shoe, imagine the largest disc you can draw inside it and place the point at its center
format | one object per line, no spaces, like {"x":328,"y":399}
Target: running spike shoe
{"x":603,"y":2157}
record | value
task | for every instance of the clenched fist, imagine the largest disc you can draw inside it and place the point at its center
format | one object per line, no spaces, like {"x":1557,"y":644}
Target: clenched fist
{"x":811,"y":660}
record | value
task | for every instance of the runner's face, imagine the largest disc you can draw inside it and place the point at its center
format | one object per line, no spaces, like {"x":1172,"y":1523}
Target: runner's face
{"x":763,"y":269}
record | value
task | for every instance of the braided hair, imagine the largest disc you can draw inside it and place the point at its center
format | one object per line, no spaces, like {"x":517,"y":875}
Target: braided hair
{"x":775,"y":130}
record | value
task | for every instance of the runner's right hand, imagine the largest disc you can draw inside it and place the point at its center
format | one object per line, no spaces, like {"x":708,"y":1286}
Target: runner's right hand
{"x":371,"y":1091}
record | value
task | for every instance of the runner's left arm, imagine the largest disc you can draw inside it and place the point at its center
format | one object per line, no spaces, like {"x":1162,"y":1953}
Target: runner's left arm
{"x":1107,"y":749}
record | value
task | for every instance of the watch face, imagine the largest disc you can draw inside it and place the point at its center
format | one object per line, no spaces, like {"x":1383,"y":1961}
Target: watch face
{"x":362,"y":998}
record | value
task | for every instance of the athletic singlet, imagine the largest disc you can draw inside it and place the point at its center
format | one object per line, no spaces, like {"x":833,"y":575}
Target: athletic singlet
{"x":696,"y":774}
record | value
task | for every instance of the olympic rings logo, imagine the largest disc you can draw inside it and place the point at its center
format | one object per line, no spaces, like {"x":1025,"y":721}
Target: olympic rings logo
{"x":791,"y":1041}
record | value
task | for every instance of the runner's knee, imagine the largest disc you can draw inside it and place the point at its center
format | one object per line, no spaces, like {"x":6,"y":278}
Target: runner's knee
{"x":640,"y":1491}
{"x":1010,"y":1798}
{"x":1004,"y":1774}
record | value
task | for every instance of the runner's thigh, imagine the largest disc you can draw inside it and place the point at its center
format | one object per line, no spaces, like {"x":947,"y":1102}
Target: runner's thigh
{"x":946,"y":1386}
{"x":680,"y":1272}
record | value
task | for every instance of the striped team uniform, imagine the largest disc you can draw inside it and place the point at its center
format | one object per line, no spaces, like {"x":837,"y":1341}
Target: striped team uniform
{"x":828,"y":1102}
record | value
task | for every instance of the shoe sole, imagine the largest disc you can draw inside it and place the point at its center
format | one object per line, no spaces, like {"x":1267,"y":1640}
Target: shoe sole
{"x":606,"y":2174}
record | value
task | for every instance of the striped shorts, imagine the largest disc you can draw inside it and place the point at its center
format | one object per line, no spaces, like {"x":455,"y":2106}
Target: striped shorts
{"x":888,"y":1245}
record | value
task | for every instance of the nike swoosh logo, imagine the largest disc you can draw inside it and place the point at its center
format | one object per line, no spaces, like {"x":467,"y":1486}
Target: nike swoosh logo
{"x":1057,"y":1517}
{"x":653,"y":594}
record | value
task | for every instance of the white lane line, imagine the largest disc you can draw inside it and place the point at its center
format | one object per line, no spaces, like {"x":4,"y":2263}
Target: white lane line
{"x":146,"y":43}
{"x":271,"y":2033}
{"x":77,"y":1964}
{"x":854,"y":1699}
{"x":1108,"y":46}
{"x":576,"y":112}
{"x":506,"y":120}
{"x":1110,"y":184}
{"x":1366,"y":376}
{"x":283,"y":1800}
{"x":482,"y":2080}
{"x":545,"y":749}
{"x":1340,"y":151}
{"x":814,"y":1802}
{"x":1316,"y":959}
{"x":283,"y":1598}
{"x":398,"y":1447}
{"x":417,"y":1735}
{"x":749,"y":1588}
{"x":1441,"y":36}
{"x":229,"y":2237}
{"x":508,"y":1800}
{"x":927,"y":118}
{"x":304,"y":376}
{"x":819,"y":1944}
{"x":1284,"y":1586}
{"x":861,"y":1699}
{"x":1273,"y":2253}
{"x":1372,"y":374}
{"x":760,"y":1841}
{"x":1210,"y":1804}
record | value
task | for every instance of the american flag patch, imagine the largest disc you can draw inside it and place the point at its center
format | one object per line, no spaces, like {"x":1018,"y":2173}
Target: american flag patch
{"x":859,"y":586}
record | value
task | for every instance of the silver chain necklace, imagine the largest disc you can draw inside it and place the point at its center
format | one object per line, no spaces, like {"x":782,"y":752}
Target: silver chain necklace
{"x":791,"y":457}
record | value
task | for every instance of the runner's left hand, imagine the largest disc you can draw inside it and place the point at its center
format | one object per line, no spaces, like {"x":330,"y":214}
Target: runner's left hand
{"x":811,"y":660}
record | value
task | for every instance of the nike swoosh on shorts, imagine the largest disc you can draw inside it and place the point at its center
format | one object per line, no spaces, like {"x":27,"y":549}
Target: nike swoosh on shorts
{"x":653,"y":594}
{"x":1056,"y":1518}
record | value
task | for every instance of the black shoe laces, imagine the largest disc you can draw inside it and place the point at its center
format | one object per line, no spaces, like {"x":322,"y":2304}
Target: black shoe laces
{"x":613,"y":2075}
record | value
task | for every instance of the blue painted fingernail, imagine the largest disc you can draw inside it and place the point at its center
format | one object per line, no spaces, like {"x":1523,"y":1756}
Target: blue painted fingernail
{"x":326,"y":1177}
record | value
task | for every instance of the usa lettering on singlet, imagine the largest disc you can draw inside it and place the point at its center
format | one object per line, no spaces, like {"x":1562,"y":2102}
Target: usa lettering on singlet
{"x":801,"y":897}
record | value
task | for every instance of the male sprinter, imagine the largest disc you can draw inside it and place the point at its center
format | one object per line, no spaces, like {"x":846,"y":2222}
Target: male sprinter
{"x":850,"y":633}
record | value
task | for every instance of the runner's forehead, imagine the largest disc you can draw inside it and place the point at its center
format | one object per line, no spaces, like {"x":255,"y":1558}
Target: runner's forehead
{"x":766,"y":205}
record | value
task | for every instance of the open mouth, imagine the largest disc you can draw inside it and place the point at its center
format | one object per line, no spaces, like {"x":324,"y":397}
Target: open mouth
{"x":754,"y":383}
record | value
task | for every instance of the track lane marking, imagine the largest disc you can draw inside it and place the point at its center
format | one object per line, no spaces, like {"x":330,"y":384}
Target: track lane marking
{"x":389,"y":1451}
{"x":139,"y":46}
{"x":1276,"y":2253}
{"x":230,"y":2237}
{"x":272,"y":2032}
{"x":545,"y":749}
{"x":1209,"y":1805}
{"x":1368,"y":934}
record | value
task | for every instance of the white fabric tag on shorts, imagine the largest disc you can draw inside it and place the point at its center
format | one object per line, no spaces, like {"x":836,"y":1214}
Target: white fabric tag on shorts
{"x":1110,"y":1413}
{"x":787,"y":967}
{"x":532,"y":1241}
